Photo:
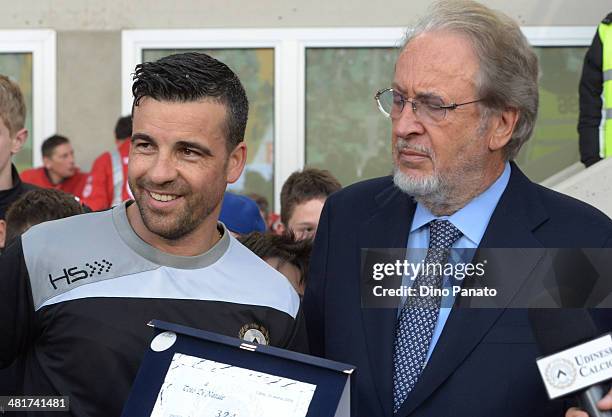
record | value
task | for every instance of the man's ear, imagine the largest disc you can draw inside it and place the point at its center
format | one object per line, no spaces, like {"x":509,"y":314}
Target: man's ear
{"x":2,"y":233}
{"x":18,"y":140}
{"x":236,"y":162}
{"x":46,"y":162}
{"x":279,"y":228}
{"x":501,"y":128}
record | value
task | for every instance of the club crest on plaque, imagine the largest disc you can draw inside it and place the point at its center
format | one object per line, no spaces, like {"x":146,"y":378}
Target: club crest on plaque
{"x":254,"y":333}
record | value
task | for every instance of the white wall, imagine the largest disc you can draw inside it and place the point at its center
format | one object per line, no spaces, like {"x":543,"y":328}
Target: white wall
{"x":592,"y":185}
{"x":114,"y":15}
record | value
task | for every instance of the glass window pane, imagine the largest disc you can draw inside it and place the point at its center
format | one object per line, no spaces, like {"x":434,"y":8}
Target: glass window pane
{"x":18,"y":67}
{"x":255,"y":68}
{"x":554,"y":144}
{"x":345,"y":132}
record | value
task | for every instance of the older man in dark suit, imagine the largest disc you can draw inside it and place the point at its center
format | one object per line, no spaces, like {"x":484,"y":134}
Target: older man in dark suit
{"x":463,"y":101}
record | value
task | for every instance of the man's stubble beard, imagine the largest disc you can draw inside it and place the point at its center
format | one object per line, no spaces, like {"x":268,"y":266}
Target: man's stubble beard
{"x":191,"y":215}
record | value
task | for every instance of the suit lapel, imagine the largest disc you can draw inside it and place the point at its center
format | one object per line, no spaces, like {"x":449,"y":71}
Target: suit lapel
{"x":388,"y":227}
{"x":517,"y":214}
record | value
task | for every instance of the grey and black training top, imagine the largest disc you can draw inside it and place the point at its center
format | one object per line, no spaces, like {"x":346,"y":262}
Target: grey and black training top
{"x":76,"y":295}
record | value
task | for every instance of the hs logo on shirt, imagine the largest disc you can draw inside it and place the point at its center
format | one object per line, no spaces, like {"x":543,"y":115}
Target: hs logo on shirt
{"x":74,"y":274}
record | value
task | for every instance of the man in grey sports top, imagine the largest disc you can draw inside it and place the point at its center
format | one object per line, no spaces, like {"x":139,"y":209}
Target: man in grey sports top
{"x":76,"y":294}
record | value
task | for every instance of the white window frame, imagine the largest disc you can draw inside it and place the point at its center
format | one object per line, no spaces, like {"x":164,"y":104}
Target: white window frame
{"x":41,"y":43}
{"x":289,"y":67}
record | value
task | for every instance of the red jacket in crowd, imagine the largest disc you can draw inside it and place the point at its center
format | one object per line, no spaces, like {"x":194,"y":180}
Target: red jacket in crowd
{"x":74,"y":185}
{"x":107,"y":184}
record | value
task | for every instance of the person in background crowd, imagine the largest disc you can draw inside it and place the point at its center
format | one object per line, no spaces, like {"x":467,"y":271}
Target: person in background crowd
{"x":302,"y":199}
{"x":595,"y":120}
{"x":59,"y":171}
{"x":13,"y":135}
{"x":241,"y":215}
{"x":78,"y":307}
{"x":107,"y":185}
{"x":264,"y":207}
{"x":34,"y":207}
{"x":38,"y":206}
{"x":462,"y":102}
{"x":284,"y":253}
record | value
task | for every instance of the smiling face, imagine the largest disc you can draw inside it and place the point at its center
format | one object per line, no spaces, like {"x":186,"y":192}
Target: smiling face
{"x":178,"y":169}
{"x":438,"y":161}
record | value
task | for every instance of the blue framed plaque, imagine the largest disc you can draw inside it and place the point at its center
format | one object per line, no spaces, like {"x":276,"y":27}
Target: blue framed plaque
{"x":187,"y":372}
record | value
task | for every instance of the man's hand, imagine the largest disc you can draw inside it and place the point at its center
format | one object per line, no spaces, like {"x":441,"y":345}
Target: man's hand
{"x":604,"y":404}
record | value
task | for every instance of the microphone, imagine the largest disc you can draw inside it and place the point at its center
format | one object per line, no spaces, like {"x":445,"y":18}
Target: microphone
{"x":576,"y":355}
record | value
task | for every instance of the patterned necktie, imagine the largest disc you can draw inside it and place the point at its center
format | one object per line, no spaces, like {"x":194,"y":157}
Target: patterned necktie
{"x":419,"y":315}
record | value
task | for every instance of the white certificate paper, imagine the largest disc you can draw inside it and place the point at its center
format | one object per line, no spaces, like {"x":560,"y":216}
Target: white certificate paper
{"x":196,"y":387}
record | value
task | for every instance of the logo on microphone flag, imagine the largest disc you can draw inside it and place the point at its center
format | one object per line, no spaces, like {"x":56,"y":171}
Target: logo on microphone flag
{"x":560,"y":373}
{"x":578,"y":367}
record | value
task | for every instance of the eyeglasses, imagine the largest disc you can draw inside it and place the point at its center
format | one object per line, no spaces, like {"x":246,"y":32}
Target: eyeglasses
{"x":428,"y":109}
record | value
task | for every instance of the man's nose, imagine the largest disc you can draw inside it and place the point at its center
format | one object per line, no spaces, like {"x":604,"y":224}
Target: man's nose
{"x":163,"y":169}
{"x":407,"y":123}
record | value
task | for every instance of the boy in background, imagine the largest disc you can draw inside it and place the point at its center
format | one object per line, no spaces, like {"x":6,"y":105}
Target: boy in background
{"x":302,"y":199}
{"x":13,"y":135}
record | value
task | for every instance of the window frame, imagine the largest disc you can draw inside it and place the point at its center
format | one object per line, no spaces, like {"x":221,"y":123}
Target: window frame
{"x":290,"y":46}
{"x":41,"y":43}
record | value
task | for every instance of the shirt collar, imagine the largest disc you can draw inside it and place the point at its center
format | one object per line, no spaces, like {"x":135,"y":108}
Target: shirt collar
{"x":10,"y":195}
{"x":15,"y":176}
{"x":16,"y":181}
{"x":157,"y":256}
{"x":473,"y":218}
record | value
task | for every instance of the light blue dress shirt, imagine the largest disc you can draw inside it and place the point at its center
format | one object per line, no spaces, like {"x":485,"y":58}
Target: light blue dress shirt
{"x":472,"y":220}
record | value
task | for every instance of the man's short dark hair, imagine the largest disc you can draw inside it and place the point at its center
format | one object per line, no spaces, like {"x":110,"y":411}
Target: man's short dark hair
{"x":284,"y":247}
{"x":193,"y":76}
{"x":123,"y":128}
{"x":38,"y":206}
{"x":309,"y":184}
{"x":51,"y":143}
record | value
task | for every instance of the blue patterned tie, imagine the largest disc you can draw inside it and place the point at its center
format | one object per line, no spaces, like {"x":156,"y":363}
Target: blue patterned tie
{"x":419,"y":315}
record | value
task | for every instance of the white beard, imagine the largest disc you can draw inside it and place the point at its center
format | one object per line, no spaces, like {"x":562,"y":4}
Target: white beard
{"x":440,"y":190}
{"x":416,"y":187}
{"x":420,"y":186}
{"x":432,"y":191}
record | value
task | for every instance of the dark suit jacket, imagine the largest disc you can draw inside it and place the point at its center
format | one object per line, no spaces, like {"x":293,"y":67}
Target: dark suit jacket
{"x":484,"y":362}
